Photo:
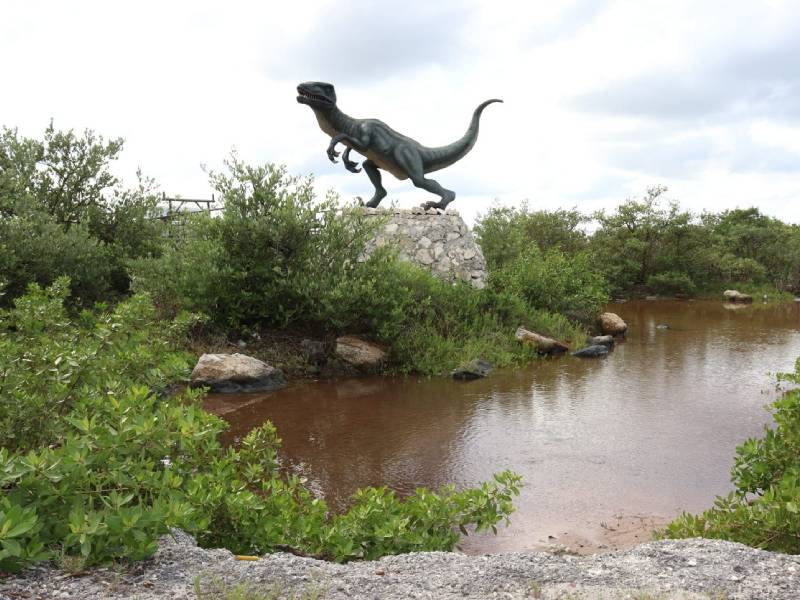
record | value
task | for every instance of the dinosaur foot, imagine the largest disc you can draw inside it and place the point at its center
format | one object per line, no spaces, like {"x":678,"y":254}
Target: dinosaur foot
{"x":431,"y":204}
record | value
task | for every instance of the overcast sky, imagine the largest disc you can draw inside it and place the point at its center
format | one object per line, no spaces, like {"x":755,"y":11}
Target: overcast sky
{"x":602,"y":99}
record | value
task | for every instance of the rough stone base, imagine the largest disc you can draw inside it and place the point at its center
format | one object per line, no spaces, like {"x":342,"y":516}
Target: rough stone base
{"x":438,"y":241}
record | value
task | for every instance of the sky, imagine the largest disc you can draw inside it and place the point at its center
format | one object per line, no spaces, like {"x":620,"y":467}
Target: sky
{"x":601,"y":99}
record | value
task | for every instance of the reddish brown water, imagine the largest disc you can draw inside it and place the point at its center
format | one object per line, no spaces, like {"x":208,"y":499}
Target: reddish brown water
{"x":650,"y":430}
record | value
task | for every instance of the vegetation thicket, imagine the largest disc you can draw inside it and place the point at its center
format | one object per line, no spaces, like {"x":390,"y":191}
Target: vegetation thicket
{"x":650,"y":245}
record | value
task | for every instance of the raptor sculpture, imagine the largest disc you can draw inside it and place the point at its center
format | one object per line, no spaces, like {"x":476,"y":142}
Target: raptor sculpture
{"x":384,"y":147}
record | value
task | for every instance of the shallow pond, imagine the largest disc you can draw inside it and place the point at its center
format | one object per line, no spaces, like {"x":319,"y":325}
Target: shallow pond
{"x":608,"y":448}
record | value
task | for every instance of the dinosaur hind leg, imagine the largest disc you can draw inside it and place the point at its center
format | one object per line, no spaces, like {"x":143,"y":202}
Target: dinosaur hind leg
{"x":447,"y":196}
{"x":412,"y":163}
{"x":371,"y":169}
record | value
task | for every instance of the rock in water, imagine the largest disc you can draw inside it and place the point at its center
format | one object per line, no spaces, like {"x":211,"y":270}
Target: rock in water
{"x":475,"y":369}
{"x":663,"y":326}
{"x":600,"y":340}
{"x":358,"y":353}
{"x":543,"y":344}
{"x":612,"y":324}
{"x":596,"y":351}
{"x":230,"y":373}
{"x":737,"y":296}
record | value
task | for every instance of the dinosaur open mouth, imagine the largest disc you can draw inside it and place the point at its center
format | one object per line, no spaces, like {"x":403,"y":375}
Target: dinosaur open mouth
{"x":309,"y":96}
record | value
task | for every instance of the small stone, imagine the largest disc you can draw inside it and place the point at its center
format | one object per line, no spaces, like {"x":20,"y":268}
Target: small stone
{"x":424,"y":257}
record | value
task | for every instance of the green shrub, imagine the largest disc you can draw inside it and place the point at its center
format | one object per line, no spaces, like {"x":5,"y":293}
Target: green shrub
{"x":275,"y":257}
{"x":764,"y":510}
{"x":62,"y":212}
{"x":49,"y":367}
{"x":504,"y":233}
{"x":36,"y":249}
{"x":671,"y":283}
{"x":555,"y":282}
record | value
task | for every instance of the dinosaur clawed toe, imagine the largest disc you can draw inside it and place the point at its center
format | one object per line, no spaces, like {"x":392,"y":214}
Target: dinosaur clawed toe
{"x":352,"y":166}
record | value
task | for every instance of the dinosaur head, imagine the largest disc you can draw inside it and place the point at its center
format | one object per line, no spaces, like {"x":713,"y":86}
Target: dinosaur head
{"x":317,"y":94}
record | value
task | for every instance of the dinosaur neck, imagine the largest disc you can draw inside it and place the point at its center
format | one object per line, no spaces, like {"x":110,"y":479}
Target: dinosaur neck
{"x":333,"y":121}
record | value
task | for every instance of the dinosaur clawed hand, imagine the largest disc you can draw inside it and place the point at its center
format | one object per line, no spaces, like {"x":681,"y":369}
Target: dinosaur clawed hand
{"x":332,"y":154}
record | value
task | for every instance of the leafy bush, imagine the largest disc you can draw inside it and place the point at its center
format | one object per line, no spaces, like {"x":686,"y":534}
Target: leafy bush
{"x":118,"y":465}
{"x":275,"y":257}
{"x":62,"y":212}
{"x":764,"y":510}
{"x":49,"y":367}
{"x":504,"y":233}
{"x":36,"y":249}
{"x":555,"y":282}
{"x":671,"y":283}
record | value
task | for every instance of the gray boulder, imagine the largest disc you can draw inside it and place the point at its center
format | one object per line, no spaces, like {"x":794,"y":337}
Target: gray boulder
{"x":231,"y":373}
{"x":475,"y":369}
{"x":596,"y":351}
{"x":358,"y":353}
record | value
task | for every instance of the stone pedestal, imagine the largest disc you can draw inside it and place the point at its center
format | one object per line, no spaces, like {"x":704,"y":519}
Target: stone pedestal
{"x":438,"y":241}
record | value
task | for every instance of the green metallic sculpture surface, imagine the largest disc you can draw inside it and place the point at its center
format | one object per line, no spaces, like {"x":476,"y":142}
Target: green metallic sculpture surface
{"x":384,"y":147}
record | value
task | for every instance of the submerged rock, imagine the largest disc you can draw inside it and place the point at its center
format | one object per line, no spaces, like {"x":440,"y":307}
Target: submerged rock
{"x":231,"y":373}
{"x":612,"y":324}
{"x":663,"y":326}
{"x":475,"y":369}
{"x":596,"y":351}
{"x":600,"y":340}
{"x":358,"y":353}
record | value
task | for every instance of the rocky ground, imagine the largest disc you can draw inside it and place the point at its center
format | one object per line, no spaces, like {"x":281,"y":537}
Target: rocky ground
{"x":659,"y":570}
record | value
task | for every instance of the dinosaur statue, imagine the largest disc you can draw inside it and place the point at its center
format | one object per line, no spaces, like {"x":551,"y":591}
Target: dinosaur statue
{"x":384,"y":147}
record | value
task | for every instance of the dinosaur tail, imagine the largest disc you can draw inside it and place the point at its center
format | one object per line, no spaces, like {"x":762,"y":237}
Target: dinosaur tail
{"x":443,"y":156}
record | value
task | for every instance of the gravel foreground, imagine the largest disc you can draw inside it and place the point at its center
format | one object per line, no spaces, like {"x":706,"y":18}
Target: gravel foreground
{"x":687,"y":569}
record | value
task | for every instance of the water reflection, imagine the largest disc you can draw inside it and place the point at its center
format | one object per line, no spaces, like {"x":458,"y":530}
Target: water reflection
{"x":650,"y":429}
